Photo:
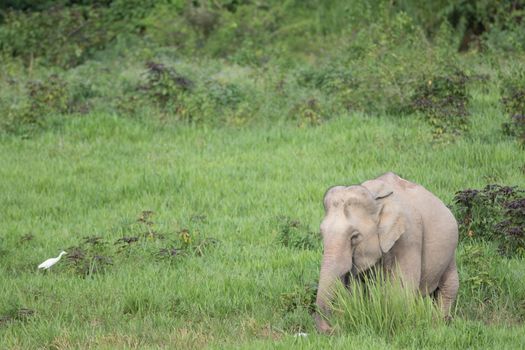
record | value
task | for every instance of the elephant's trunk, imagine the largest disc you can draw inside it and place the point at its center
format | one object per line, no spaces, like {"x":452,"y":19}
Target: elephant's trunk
{"x":335,"y":266}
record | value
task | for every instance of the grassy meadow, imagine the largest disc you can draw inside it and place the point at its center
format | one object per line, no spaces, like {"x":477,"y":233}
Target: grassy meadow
{"x":186,"y":185}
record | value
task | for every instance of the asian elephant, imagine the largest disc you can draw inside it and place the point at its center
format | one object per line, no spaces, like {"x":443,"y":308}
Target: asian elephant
{"x":392,"y":223}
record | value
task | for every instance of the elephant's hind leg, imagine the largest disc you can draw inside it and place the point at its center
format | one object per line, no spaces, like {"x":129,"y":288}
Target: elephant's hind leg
{"x":448,"y":289}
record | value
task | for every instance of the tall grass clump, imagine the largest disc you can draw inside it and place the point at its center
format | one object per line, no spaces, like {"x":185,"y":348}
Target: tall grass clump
{"x":382,"y":307}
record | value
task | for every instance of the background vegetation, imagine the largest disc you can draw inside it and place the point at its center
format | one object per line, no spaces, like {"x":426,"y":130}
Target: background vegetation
{"x":179,"y":150}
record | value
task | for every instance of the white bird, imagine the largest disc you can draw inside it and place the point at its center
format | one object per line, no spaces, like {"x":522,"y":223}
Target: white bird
{"x":50,"y":262}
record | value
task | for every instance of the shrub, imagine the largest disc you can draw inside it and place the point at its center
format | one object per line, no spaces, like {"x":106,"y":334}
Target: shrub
{"x":92,"y":256}
{"x":496,"y":24}
{"x":494,"y":214}
{"x":513,"y":227}
{"x":382,"y":66}
{"x":513,"y":100}
{"x":164,"y":84}
{"x":162,"y":88}
{"x":68,"y":35}
{"x":49,"y":96}
{"x":308,"y":113}
{"x":244,"y":32}
{"x":480,"y":24}
{"x":204,"y":98}
{"x":443,"y":100}
{"x":516,"y":127}
{"x":57,"y":36}
{"x":40,"y":99}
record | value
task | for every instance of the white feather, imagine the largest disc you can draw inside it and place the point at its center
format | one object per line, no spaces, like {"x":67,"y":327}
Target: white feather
{"x":50,"y":262}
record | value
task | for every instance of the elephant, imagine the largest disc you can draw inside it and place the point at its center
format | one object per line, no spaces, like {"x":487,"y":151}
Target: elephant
{"x":394,"y":224}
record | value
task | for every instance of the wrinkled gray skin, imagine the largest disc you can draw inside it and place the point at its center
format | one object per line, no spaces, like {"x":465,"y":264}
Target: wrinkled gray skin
{"x":388,"y":222}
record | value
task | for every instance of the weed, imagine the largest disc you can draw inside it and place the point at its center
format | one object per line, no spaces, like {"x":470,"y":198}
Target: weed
{"x":301,"y":298}
{"x":307,"y":113}
{"x":16,"y":314}
{"x":92,"y":256}
{"x":26,"y":238}
{"x":477,"y":274}
{"x":200,"y":247}
{"x":126,"y":240}
{"x":188,"y":243}
{"x":170,"y":252}
{"x":293,"y":234}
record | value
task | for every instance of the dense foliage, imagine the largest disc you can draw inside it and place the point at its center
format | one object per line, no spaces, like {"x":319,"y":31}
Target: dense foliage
{"x":308,"y":61}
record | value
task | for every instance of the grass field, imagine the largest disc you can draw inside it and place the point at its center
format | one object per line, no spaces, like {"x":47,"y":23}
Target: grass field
{"x":179,"y":152}
{"x":96,"y":174}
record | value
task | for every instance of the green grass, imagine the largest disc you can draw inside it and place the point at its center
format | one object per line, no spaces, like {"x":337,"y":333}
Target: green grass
{"x":95,"y":174}
{"x":382,"y":306}
{"x":232,"y":146}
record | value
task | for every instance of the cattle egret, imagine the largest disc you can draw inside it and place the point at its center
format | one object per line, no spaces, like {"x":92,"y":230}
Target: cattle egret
{"x":50,"y":262}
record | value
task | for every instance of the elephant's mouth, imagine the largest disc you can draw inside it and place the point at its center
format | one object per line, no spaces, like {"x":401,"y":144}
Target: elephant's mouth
{"x":346,"y":279}
{"x":359,"y":275}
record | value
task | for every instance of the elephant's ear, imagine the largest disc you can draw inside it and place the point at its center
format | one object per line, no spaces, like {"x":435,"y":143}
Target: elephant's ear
{"x":392,"y":224}
{"x":391,"y":219}
{"x":379,"y":189}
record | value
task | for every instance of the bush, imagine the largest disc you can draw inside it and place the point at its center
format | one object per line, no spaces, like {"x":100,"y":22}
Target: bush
{"x":384,"y":65}
{"x":161,"y":88}
{"x":40,"y":99}
{"x":67,"y":36}
{"x":92,"y":256}
{"x":513,"y":100}
{"x":240,"y":30}
{"x":197,"y":96}
{"x":164,"y":84}
{"x":308,"y":113}
{"x":478,"y":24}
{"x":494,"y":214}
{"x":57,"y":36}
{"x":496,"y":24}
{"x":443,"y":100}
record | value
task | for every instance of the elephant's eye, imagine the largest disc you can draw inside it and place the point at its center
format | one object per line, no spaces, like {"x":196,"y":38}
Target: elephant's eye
{"x":355,"y":237}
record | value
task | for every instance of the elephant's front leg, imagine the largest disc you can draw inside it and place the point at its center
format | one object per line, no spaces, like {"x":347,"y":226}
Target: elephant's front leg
{"x":408,"y":266}
{"x":321,"y":324}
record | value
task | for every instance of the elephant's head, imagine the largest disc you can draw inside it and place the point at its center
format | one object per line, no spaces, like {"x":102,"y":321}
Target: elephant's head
{"x":361,"y":223}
